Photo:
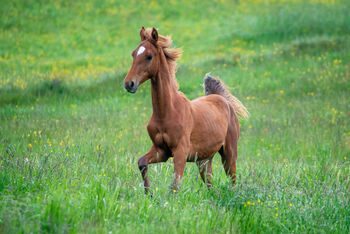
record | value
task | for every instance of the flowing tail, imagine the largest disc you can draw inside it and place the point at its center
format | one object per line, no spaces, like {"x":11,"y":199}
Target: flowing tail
{"x":214,"y":85}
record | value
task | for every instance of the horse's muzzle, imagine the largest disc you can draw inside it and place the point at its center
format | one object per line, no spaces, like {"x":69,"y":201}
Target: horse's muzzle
{"x":131,"y":86}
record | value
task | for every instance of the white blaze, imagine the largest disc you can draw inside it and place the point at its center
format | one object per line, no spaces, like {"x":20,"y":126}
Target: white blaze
{"x":141,"y":50}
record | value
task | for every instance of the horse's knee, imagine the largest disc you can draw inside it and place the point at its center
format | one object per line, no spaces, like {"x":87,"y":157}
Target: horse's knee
{"x":142,"y":163}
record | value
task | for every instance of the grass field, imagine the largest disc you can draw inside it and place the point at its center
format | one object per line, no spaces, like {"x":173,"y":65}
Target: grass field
{"x":70,"y":135}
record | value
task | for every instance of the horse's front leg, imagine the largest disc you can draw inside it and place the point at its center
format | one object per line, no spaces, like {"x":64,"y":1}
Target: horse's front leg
{"x":154,"y":155}
{"x":180,"y":156}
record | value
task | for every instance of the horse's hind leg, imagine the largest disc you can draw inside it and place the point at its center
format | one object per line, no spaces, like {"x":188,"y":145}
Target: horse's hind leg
{"x":205,"y":170}
{"x":228,"y":151}
{"x":228,"y":158}
{"x":153,"y":156}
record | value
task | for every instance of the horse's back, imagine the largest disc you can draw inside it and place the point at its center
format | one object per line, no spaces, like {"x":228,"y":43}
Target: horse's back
{"x":210,"y":104}
{"x":211,"y":116}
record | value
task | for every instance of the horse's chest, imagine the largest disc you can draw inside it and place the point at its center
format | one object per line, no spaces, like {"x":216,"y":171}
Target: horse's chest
{"x":164,"y":136}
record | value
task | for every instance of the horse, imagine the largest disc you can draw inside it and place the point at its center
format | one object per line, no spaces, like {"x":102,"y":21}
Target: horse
{"x":188,"y":131}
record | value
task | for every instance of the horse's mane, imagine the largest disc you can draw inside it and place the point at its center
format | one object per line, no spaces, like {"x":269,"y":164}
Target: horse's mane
{"x":171,"y":54}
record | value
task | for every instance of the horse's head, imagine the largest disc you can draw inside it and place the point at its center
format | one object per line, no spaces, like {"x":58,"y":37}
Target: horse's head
{"x":145,"y":61}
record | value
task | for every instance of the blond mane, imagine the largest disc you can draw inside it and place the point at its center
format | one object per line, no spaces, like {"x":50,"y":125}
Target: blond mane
{"x":171,"y":54}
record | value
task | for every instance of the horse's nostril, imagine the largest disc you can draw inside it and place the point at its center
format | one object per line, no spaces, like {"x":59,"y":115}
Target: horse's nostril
{"x":132,"y":84}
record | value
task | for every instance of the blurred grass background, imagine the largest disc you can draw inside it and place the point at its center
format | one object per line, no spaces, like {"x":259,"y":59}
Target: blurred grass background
{"x":70,"y":136}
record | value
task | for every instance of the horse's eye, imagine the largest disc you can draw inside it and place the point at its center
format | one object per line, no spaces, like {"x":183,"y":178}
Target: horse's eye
{"x":149,"y":57}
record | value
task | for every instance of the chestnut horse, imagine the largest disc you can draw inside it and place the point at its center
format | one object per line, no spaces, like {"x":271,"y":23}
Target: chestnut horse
{"x":188,"y":131}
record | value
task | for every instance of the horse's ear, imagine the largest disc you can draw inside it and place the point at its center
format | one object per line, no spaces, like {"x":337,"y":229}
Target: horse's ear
{"x":142,"y":34}
{"x":154,"y":34}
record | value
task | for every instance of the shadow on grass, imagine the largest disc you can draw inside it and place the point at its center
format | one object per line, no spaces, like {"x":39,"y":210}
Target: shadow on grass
{"x":56,"y":90}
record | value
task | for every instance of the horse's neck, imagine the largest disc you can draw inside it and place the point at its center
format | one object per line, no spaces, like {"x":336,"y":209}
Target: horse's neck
{"x":163,"y":90}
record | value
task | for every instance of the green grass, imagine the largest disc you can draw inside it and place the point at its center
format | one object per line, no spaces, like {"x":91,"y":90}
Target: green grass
{"x":70,"y":136}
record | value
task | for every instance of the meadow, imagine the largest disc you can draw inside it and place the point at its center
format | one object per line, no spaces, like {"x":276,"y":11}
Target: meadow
{"x":70,"y":135}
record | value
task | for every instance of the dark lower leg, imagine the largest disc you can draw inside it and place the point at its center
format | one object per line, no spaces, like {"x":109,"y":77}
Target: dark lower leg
{"x":143,"y":166}
{"x":230,"y":168}
{"x":229,"y":158}
{"x":205,"y":170}
{"x":153,"y":156}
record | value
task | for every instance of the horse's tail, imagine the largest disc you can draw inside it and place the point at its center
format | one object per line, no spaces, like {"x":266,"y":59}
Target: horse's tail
{"x":214,"y":85}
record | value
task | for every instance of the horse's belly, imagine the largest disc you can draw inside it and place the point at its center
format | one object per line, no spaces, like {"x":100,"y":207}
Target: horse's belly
{"x":203,"y":152}
{"x":206,"y":141}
